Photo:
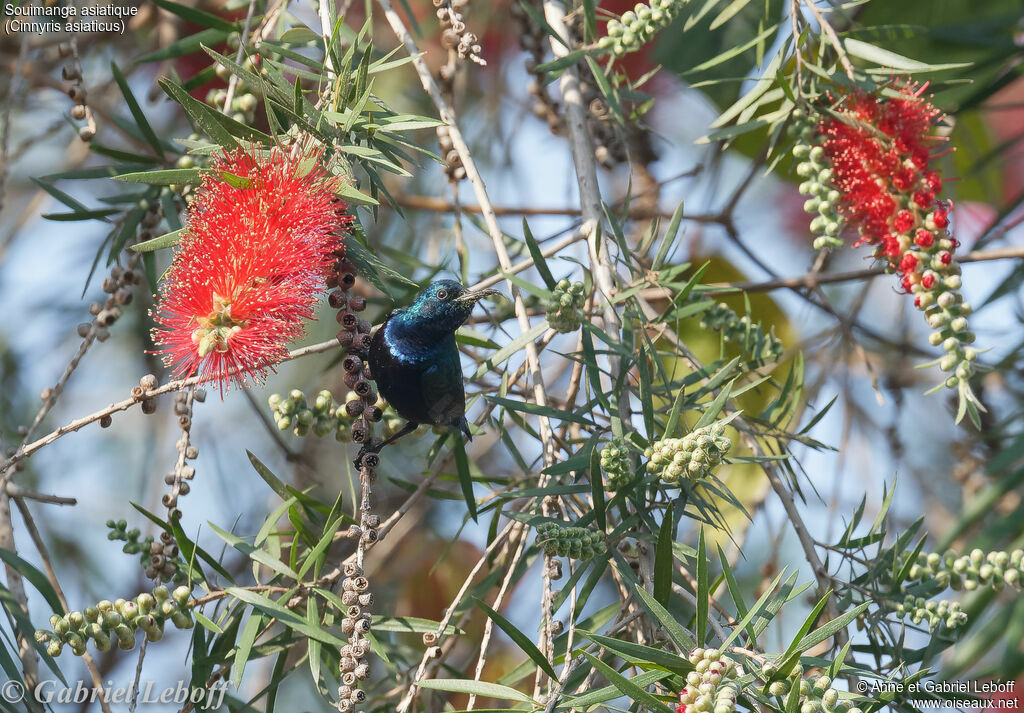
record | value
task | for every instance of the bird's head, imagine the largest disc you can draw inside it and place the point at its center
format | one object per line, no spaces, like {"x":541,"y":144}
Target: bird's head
{"x":445,"y":305}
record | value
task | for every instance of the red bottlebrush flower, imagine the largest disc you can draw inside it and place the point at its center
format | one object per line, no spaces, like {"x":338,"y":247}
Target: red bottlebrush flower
{"x":877,"y":155}
{"x":250,"y":266}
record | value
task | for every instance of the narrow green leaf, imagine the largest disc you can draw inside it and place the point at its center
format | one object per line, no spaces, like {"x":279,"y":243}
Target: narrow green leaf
{"x":673,"y":628}
{"x":607,"y":693}
{"x":637,"y":653}
{"x":98,"y":214}
{"x":197,"y":17}
{"x":703,"y":592}
{"x":256,"y":555}
{"x":626,"y":686}
{"x":886,"y":58}
{"x":597,"y":490}
{"x":539,"y":261}
{"x":244,"y":648}
{"x":521,"y":639}
{"x":287,"y":617}
{"x":166,"y":240}
{"x":560,"y":63}
{"x":408,"y":624}
{"x":165,"y":177}
{"x":465,"y":479}
{"x":188,"y":45}
{"x":200,"y":113}
{"x":728,"y":13}
{"x":60,"y":195}
{"x":536,"y":410}
{"x":35,"y":577}
{"x":477,"y":688}
{"x":206,"y":623}
{"x":499,"y":357}
{"x":715,"y":407}
{"x":133,"y":106}
{"x":829,"y":629}
{"x":663,"y":559}
{"x":313,"y":619}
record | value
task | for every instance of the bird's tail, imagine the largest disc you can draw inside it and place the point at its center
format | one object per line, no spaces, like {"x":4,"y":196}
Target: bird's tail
{"x":464,"y":427}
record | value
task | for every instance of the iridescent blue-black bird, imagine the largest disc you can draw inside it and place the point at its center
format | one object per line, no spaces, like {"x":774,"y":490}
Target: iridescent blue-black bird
{"x":415,"y":362}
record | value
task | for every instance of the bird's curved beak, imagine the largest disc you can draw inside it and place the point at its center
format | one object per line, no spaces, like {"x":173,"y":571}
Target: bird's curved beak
{"x":475,"y":296}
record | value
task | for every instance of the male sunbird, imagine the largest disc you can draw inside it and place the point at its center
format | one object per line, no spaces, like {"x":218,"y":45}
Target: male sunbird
{"x":415,"y":362}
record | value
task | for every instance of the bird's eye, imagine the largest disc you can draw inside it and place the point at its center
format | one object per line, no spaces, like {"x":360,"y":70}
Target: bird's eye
{"x":442,"y":294}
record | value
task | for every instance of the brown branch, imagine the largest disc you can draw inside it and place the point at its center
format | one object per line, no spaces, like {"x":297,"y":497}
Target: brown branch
{"x":812,"y":279}
{"x":440,"y":205}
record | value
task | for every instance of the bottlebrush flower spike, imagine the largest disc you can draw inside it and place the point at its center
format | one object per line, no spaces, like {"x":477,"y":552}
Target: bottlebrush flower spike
{"x":262,"y":232}
{"x":872,"y":170}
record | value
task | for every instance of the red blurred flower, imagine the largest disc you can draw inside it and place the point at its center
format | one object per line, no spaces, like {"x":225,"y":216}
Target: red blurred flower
{"x":259,"y":244}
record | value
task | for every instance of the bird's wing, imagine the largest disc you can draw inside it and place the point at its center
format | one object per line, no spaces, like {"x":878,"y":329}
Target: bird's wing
{"x":443,"y":392}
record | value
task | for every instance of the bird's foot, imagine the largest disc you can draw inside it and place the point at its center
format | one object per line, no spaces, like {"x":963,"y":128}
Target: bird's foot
{"x":367,"y":456}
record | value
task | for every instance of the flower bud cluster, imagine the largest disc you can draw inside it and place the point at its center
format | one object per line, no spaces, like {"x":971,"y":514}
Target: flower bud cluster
{"x":933,"y":613}
{"x":580,"y":543}
{"x":616,"y":463}
{"x":118,"y":621}
{"x":759,"y":346}
{"x":564,"y":307}
{"x":816,"y":693}
{"x":815,"y":174}
{"x":694,"y":456}
{"x":158,"y":558}
{"x":970,"y":571}
{"x":636,"y":27}
{"x":242,"y":107}
{"x":327,"y":416}
{"x":711,"y":686}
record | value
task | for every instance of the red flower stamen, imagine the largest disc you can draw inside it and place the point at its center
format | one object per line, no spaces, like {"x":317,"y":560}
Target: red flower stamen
{"x":250,"y":267}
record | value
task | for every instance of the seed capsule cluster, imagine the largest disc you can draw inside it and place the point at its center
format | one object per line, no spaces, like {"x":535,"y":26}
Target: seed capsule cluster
{"x":694,"y":456}
{"x":636,"y":27}
{"x":579,"y":543}
{"x":711,"y":686}
{"x":160,"y":559}
{"x":814,"y":170}
{"x":564,"y":307}
{"x":355,"y":336}
{"x":71,"y":72}
{"x":759,"y":346}
{"x":816,"y":694}
{"x":609,"y":146}
{"x":454,"y":34}
{"x":179,"y":478}
{"x":354,"y":666}
{"x":616,"y":463}
{"x":118,"y":621}
{"x":121,"y":281}
{"x":970,"y":571}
